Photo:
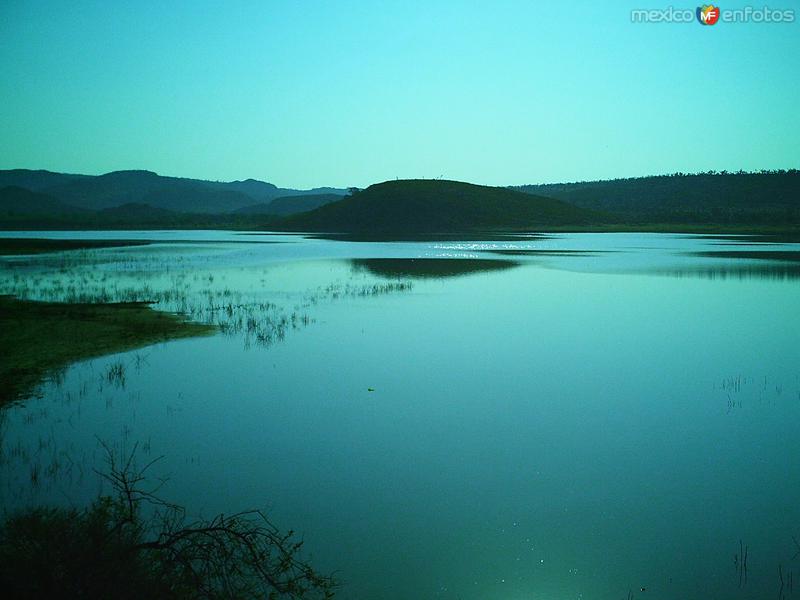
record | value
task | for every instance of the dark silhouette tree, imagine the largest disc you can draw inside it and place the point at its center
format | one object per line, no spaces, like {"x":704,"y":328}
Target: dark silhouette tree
{"x":113,"y":549}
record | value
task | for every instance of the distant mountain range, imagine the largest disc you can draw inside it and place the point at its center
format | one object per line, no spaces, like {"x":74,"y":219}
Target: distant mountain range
{"x":145,"y":187}
{"x":142,"y":199}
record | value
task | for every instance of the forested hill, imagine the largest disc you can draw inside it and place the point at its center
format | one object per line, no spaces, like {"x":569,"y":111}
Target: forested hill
{"x":436,"y":206}
{"x":766,"y":197}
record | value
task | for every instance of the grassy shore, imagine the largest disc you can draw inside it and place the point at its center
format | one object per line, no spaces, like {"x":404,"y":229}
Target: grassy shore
{"x":39,"y":338}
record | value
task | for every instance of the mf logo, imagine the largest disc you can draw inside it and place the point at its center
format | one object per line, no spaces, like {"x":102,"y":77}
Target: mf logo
{"x":708,"y":14}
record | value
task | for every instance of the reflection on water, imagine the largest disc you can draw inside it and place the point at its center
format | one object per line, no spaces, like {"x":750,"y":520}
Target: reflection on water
{"x":429,"y":267}
{"x":750,"y":239}
{"x":777,"y":271}
{"x":773,"y":255}
{"x":537,"y":252}
{"x":559,"y":425}
{"x":738,"y":264}
{"x":431,"y":237}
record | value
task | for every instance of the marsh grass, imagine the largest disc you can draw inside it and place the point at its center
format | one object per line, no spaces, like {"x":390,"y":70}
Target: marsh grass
{"x":88,"y":303}
{"x":40,"y":338}
{"x":175,"y":284}
{"x":115,"y":374}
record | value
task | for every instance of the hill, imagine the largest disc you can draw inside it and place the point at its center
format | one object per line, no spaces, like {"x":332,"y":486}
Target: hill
{"x":437,"y":206}
{"x":252,"y":188}
{"x":290,"y":205}
{"x":767,"y":197}
{"x":35,"y":180}
{"x":145,"y":187}
{"x":136,"y":212}
{"x":22,"y":209}
{"x":267,"y":192}
{"x":17,"y":202}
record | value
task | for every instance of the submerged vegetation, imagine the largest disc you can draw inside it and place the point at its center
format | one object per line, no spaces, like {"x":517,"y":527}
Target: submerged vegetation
{"x":37,"y":338}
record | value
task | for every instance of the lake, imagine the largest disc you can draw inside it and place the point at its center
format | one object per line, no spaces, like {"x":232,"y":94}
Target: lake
{"x":556,"y":416}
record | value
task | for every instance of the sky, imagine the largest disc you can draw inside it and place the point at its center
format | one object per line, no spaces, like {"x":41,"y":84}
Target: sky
{"x":340,"y":93}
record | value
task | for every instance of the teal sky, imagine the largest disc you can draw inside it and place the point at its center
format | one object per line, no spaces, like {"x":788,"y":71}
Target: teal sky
{"x":304,"y":94}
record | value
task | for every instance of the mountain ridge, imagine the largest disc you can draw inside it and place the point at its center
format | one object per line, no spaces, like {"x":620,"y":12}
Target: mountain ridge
{"x":180,"y":194}
{"x":766,"y":200}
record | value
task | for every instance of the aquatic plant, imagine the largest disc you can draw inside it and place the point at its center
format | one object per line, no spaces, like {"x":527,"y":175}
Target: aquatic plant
{"x":115,"y":374}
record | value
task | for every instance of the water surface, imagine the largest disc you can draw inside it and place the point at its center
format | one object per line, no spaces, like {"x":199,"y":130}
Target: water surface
{"x":563,"y":416}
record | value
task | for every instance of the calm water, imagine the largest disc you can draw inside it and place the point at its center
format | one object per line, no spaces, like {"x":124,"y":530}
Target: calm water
{"x":568,"y":416}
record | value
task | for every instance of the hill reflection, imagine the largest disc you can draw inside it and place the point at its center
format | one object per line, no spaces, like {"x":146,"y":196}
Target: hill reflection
{"x":429,"y":268}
